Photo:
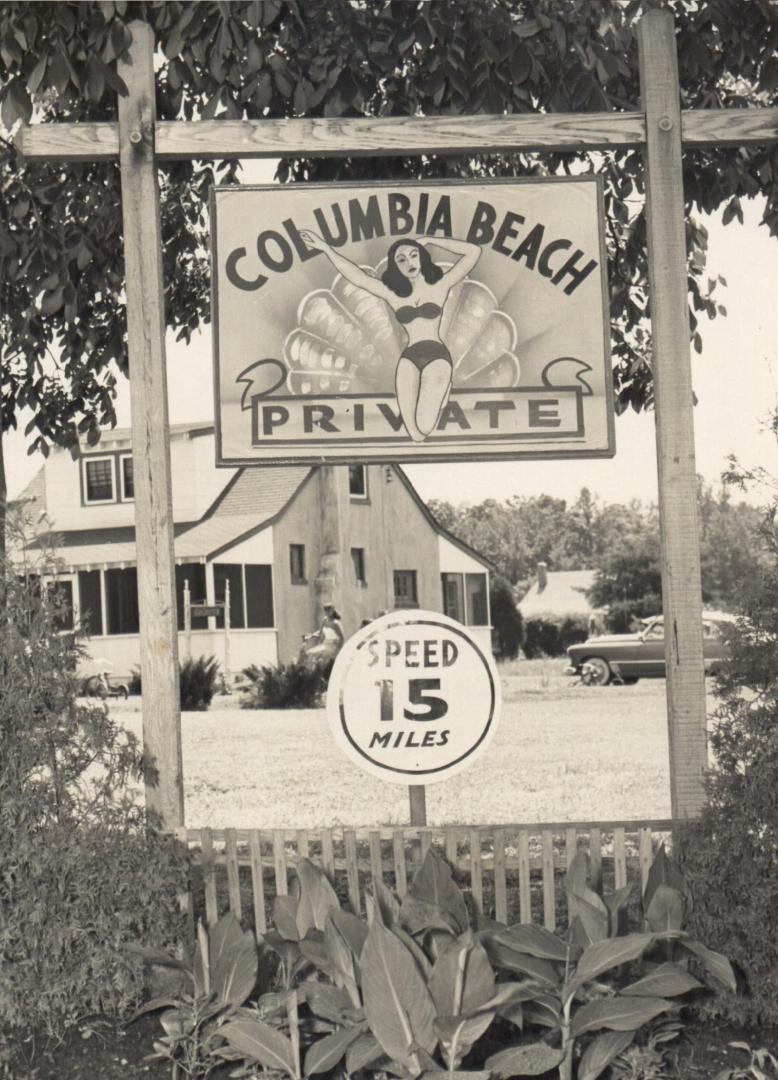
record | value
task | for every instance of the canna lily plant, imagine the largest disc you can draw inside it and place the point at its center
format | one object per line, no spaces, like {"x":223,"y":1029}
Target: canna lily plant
{"x":413,"y":990}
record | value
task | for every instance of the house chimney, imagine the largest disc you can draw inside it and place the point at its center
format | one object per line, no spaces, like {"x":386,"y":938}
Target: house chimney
{"x":542,"y":576}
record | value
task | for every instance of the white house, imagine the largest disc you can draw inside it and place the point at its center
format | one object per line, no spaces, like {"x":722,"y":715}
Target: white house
{"x":285,"y":538}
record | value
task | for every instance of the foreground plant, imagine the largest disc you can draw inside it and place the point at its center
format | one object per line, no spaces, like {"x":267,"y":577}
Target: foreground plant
{"x":413,"y":989}
{"x":221,"y":977}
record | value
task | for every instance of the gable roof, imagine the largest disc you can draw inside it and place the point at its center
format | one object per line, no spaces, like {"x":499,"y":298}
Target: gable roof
{"x":564,"y":594}
{"x":34,"y":492}
{"x":433,"y":521}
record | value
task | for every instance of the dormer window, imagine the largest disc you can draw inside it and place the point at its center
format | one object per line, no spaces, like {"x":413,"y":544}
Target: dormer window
{"x":99,"y":480}
{"x":128,"y":486}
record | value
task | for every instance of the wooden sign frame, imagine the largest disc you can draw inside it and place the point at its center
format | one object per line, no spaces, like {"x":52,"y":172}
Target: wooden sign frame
{"x":491,"y":447}
{"x":660,"y":131}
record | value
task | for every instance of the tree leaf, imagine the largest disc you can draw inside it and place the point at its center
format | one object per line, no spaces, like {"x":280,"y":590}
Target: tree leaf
{"x":531,"y":1059}
{"x":462,"y":979}
{"x":317,"y":897}
{"x":398,"y":1004}
{"x":434,"y":898}
{"x":667,"y":980}
{"x":617,"y":1014}
{"x":327,"y":1052}
{"x":601,"y":1052}
{"x":261,"y":1043}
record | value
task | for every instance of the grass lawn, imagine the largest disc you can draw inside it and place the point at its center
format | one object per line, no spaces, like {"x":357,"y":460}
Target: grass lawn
{"x":561,"y":753}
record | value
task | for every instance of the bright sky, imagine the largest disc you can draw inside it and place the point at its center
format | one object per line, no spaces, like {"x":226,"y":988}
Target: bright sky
{"x":735,"y":379}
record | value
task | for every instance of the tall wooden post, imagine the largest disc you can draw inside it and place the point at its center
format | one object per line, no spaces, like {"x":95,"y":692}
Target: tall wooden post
{"x":188,"y":620}
{"x":150,"y":431}
{"x":417,"y":795}
{"x":679,"y":526}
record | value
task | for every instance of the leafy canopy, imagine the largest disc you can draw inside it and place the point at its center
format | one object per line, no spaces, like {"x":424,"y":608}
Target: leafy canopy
{"x":62,"y":318}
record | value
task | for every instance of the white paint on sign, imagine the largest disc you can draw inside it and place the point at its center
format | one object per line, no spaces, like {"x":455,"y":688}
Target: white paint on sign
{"x":413,"y":698}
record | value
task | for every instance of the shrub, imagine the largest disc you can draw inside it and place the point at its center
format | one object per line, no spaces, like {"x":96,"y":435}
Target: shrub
{"x":729,"y":855}
{"x":82,"y":875}
{"x":296,"y":685}
{"x":545,"y":636}
{"x":197,"y":682}
{"x":507,"y":622}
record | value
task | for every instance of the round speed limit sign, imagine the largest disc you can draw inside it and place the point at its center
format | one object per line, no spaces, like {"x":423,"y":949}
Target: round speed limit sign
{"x":413,"y":697}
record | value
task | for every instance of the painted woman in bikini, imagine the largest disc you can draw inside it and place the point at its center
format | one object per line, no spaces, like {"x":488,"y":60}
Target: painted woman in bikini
{"x":416,"y":290}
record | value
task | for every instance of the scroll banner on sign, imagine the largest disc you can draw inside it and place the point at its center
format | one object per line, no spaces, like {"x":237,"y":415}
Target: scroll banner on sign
{"x":411,"y":322}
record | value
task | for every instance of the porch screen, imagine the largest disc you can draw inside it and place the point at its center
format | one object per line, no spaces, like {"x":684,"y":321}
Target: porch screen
{"x":232,"y":572}
{"x":194,"y":573}
{"x":465,"y":598}
{"x":259,"y":595}
{"x":90,"y":602}
{"x":121,"y":598}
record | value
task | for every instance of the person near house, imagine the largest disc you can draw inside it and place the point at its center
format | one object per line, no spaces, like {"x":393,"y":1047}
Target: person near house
{"x":324,"y":645}
{"x":416,"y":289}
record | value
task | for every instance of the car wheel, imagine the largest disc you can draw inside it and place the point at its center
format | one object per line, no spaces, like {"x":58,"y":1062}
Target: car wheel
{"x":629,"y":680}
{"x":599,"y":671}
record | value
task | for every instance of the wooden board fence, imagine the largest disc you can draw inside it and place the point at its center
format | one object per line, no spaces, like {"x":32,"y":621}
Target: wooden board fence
{"x":512,"y":873}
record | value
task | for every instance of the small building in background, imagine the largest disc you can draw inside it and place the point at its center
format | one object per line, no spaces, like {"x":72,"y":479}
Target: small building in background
{"x":282,"y":540}
{"x":562,"y":594}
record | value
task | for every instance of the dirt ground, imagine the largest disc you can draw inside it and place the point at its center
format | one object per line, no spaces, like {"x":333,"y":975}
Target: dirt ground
{"x":561,"y":753}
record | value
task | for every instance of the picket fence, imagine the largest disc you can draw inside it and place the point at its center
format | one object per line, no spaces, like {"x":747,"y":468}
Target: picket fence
{"x":511,"y":873}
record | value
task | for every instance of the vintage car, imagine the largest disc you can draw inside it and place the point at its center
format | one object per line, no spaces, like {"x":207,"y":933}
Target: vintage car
{"x":625,"y":658}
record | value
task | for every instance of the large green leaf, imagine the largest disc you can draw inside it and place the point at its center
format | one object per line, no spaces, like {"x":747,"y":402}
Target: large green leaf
{"x":233,"y":961}
{"x":531,"y":1059}
{"x":344,"y":939}
{"x":666,"y":909}
{"x":666,"y":980}
{"x":605,"y":955}
{"x":664,"y":871}
{"x":714,"y":963}
{"x":387,"y":906}
{"x":326,"y":1002}
{"x":543,"y":1011}
{"x":398,"y":1005}
{"x":459,"y":1034}
{"x":314,"y":949}
{"x":601,"y":1052}
{"x":617,"y":1014}
{"x":327,"y":1052}
{"x":462,"y":978}
{"x":363,"y":1052}
{"x":505,"y":958}
{"x":536,"y":941}
{"x":434,"y":900}
{"x":285,"y":917}
{"x":261,"y":1043}
{"x":317,"y":898}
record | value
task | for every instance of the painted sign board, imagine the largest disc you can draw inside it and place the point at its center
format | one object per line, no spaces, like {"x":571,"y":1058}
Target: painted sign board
{"x":411,"y":321}
{"x":413,"y":698}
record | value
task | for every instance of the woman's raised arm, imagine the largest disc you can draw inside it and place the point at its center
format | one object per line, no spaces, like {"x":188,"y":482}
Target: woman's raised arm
{"x":350,"y":271}
{"x":470,"y":254}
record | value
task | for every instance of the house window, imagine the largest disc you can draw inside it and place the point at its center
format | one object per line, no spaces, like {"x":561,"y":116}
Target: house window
{"x":98,"y":480}
{"x":357,"y":481}
{"x":358,"y":559}
{"x":90,"y":602}
{"x":453,"y":596}
{"x":465,"y":598}
{"x":405,"y":593}
{"x":121,"y":601}
{"x":297,"y":563}
{"x":128,"y":485}
{"x":232,"y":572}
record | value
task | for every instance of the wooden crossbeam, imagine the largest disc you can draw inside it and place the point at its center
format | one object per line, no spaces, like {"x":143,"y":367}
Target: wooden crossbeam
{"x":360,"y":137}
